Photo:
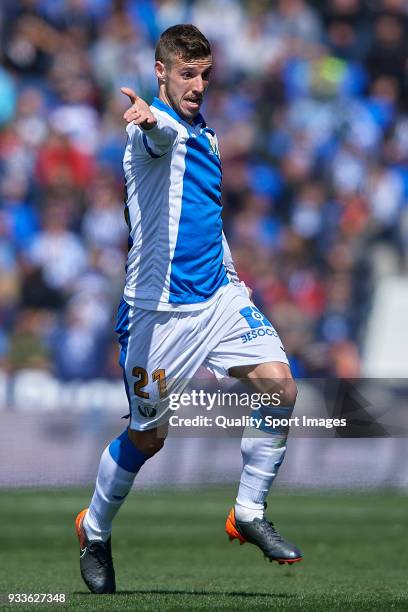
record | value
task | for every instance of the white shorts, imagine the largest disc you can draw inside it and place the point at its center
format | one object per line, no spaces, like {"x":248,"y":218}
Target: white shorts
{"x":162,"y":351}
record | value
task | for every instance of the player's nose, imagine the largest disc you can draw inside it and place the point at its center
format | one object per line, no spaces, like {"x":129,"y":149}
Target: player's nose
{"x":198,"y":85}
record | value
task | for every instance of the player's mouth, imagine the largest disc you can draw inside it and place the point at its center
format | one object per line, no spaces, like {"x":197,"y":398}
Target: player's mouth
{"x":193,"y":104}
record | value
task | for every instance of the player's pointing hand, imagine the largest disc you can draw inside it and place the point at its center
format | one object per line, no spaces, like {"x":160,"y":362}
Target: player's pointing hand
{"x":139,"y":112}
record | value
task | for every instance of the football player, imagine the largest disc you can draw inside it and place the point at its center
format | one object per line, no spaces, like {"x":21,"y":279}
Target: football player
{"x":183,"y":307}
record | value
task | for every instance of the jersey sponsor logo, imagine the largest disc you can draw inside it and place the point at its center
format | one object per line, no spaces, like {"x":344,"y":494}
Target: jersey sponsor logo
{"x":147,"y":410}
{"x":254,"y":317}
{"x":256,"y":333}
{"x":259,"y":324}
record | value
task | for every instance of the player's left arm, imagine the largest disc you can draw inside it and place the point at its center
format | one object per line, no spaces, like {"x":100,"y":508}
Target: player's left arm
{"x":229,"y":262}
{"x":230,"y":267}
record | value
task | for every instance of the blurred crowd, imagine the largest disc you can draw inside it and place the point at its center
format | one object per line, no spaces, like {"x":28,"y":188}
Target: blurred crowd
{"x":309,"y":101}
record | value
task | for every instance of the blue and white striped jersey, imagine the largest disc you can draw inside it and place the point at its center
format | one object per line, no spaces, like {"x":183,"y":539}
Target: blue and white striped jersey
{"x":178,"y":257}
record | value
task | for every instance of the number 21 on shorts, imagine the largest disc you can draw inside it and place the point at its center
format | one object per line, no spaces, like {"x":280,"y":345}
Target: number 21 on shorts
{"x":158,"y":376}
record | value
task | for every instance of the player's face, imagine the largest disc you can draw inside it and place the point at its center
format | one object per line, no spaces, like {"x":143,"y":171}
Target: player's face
{"x":184,"y":85}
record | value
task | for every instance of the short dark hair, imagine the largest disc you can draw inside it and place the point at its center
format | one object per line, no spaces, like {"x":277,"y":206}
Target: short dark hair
{"x":184,"y":41}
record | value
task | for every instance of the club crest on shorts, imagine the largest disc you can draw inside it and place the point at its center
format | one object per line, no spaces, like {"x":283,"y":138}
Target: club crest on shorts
{"x":147,"y":410}
{"x":254,"y":317}
{"x":213,"y":142}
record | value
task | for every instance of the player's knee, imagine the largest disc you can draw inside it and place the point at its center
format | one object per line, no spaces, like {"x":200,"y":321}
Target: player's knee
{"x":148,"y":442}
{"x":281,"y":382}
{"x":290,"y":392}
{"x":273,"y":378}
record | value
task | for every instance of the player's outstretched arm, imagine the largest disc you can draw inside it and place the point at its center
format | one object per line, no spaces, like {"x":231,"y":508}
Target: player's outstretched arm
{"x":160,"y":133}
{"x":139,"y":112}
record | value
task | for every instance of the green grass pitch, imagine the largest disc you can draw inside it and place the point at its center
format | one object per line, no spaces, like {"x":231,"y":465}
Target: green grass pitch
{"x":171,"y":552}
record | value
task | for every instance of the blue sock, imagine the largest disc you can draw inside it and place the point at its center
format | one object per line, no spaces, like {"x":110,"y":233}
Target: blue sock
{"x":125,"y":454}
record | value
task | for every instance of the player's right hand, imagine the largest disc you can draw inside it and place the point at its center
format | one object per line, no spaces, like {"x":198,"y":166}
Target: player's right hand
{"x":139,"y":112}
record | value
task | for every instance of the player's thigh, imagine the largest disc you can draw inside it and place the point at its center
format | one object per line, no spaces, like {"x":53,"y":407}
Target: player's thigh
{"x":160,"y":351}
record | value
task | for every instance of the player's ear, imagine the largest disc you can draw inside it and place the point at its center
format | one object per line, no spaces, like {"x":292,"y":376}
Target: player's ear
{"x":160,"y":69}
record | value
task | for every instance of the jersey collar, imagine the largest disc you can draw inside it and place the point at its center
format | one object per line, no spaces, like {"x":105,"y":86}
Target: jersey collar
{"x":157,"y":103}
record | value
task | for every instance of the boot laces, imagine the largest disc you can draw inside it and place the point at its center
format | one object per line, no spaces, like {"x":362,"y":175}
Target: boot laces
{"x":272,"y":532}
